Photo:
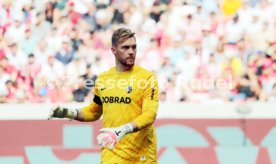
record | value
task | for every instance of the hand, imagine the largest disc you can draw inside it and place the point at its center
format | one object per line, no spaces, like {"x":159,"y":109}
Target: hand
{"x":111,"y":136}
{"x":61,"y":112}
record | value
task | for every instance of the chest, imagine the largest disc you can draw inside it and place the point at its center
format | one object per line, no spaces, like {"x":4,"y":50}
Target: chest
{"x":121,"y":91}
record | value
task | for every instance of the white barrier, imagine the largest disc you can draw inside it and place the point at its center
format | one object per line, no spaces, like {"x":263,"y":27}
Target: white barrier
{"x":166,"y":110}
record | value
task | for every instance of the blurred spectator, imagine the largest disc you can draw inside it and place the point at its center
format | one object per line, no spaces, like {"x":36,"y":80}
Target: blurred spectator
{"x":156,"y":11}
{"x":176,"y":51}
{"x":28,"y":42}
{"x":3,"y":89}
{"x":15,"y":55}
{"x":49,"y":48}
{"x":72,"y":14}
{"x":4,"y":77}
{"x":32,"y":67}
{"x":59,"y":94}
{"x":247,"y":87}
{"x":41,"y":27}
{"x":11,"y":97}
{"x":9,"y":69}
{"x":76,"y":68}
{"x":49,"y":12}
{"x":75,"y":39}
{"x":17,"y":28}
{"x":152,"y":54}
{"x":80,"y":92}
{"x":234,"y":30}
{"x":53,"y":40}
{"x":27,"y":13}
{"x":41,"y":52}
{"x":90,"y":17}
{"x":118,"y":16}
{"x":53,"y":69}
{"x":66,"y":53}
{"x":190,"y":29}
{"x":90,"y":77}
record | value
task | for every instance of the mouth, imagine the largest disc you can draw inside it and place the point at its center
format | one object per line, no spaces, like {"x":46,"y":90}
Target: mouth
{"x":130,"y":59}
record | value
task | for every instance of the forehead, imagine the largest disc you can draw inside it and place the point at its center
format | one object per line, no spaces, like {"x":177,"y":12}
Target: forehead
{"x":127,"y":42}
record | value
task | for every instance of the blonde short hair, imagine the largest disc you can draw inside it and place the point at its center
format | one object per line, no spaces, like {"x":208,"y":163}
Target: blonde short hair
{"x":121,"y":35}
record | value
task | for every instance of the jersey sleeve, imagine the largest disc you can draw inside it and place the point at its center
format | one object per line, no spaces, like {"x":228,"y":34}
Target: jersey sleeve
{"x":93,"y":111}
{"x":150,"y":101}
{"x":96,"y":86}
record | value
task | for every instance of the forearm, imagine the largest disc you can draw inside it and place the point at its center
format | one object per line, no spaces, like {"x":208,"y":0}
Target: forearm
{"x":135,"y":126}
{"x":110,"y":136}
{"x":145,"y":119}
{"x":91,"y":112}
{"x":80,"y":116}
{"x":149,"y":106}
{"x":142,"y":121}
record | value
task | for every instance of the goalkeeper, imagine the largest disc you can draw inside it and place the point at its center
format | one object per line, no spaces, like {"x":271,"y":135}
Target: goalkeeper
{"x":127,"y":97}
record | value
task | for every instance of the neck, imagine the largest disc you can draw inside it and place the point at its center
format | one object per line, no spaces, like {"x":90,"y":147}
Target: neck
{"x":122,"y":68}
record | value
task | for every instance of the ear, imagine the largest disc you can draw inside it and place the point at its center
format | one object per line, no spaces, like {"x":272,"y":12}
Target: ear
{"x":113,"y":50}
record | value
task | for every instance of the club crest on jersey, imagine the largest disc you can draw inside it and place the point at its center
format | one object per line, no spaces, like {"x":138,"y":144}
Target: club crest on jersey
{"x":129,"y":89}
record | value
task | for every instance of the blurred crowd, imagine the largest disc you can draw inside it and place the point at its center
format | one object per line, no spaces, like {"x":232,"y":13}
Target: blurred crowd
{"x":201,"y":50}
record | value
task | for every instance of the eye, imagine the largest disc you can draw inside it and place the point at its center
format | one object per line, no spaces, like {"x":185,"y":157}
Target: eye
{"x":134,"y":47}
{"x":126,"y":47}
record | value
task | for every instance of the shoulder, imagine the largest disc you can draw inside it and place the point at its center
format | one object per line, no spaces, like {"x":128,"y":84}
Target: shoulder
{"x":144,"y":73}
{"x":106,"y":74}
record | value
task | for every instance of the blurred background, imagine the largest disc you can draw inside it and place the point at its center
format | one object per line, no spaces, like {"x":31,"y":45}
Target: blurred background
{"x":210,"y":57}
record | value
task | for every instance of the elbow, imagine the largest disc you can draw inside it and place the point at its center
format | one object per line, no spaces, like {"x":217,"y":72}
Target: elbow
{"x":93,"y":118}
{"x":97,"y":117}
{"x":146,"y":120}
{"x":88,"y":116}
{"x":152,"y":118}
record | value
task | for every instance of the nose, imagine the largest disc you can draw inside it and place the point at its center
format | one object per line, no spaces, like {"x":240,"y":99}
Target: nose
{"x":131,"y":51}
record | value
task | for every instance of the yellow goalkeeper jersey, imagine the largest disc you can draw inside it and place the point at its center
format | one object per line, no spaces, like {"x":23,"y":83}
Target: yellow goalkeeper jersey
{"x":130,"y":96}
